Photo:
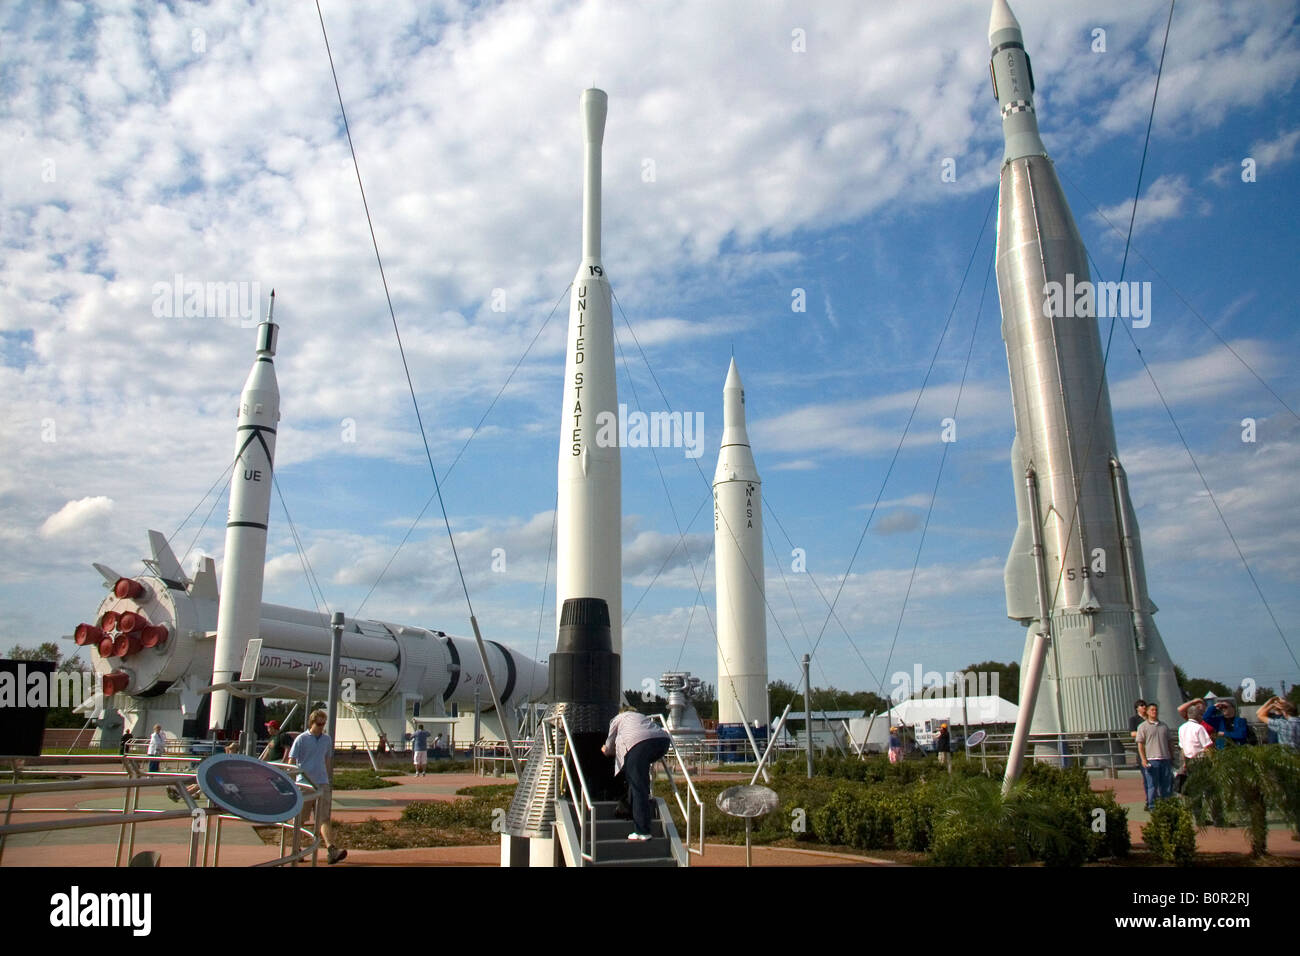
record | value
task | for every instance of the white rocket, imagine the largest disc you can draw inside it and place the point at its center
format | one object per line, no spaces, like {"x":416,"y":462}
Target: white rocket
{"x":589,"y":547}
{"x":240,"y":613}
{"x":738,"y":564}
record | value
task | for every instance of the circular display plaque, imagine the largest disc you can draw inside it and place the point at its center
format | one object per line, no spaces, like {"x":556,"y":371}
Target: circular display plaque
{"x":747,"y":801}
{"x":249,"y":788}
{"x":975,"y":739}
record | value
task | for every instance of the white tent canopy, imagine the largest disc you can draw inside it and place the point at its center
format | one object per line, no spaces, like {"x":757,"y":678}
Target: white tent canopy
{"x":874,"y":730}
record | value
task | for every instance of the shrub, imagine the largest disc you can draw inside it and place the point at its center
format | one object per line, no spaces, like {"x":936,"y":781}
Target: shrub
{"x":1171,"y":834}
{"x":1114,"y":840}
{"x":859,"y":818}
{"x":913,"y":809}
{"x":1249,"y":781}
{"x":965,"y":841}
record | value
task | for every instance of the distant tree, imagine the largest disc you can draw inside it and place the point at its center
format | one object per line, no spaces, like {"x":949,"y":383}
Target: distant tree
{"x":704,"y":699}
{"x":656,"y":705}
{"x":1200,"y":686}
{"x":780,"y":693}
{"x":49,"y":651}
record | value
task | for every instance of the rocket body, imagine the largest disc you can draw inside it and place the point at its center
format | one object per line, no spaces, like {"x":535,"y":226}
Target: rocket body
{"x":244,"y":563}
{"x":738,"y":568}
{"x":1104,"y":650}
{"x":589,"y":541}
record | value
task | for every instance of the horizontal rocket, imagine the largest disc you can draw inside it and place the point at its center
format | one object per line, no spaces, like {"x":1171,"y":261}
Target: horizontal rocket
{"x":155,"y":633}
{"x":1074,"y":575}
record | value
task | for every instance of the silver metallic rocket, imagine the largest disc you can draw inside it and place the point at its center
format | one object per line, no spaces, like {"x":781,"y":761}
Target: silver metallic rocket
{"x":589,"y":539}
{"x":244,"y":564}
{"x":738,"y":564}
{"x":1076,"y":553}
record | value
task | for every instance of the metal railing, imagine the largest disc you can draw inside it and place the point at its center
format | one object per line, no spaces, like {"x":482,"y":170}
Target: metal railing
{"x":492,"y":757}
{"x":695,"y":801}
{"x":569,"y":766}
{"x":131,"y":781}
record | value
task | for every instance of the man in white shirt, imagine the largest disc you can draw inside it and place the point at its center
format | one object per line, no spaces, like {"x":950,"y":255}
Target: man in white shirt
{"x":157,"y":746}
{"x":635,"y":742}
{"x":1193,"y":740}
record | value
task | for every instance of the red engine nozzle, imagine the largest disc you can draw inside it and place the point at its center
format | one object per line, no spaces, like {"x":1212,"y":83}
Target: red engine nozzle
{"x":131,"y":621}
{"x":127,"y":588}
{"x":109,"y":620}
{"x":116,"y":682}
{"x":86,"y":634}
{"x":155,"y":635}
{"x":106,"y":647}
{"x":127,"y":644}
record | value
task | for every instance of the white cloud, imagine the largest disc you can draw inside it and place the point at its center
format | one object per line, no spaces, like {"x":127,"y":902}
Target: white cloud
{"x":82,"y":515}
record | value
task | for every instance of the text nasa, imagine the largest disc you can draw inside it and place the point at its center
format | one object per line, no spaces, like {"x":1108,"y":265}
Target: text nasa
{"x":74,"y":909}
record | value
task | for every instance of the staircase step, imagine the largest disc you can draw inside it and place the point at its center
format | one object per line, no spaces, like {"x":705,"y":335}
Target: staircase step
{"x":656,"y":862}
{"x":624,"y":849}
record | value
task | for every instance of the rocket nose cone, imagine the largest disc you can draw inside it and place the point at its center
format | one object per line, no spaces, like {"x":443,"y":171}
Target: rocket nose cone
{"x":1001,"y":19}
{"x":733,"y":377}
{"x":593,"y":107}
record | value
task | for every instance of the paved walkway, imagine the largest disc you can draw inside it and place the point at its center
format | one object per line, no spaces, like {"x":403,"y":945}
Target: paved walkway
{"x":240,"y":846}
{"x":1130,"y":794}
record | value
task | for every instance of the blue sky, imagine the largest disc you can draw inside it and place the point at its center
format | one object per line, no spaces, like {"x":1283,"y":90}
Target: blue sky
{"x":205,"y":141}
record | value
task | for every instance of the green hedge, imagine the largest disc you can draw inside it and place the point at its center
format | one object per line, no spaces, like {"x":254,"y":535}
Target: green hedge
{"x":1171,"y":834}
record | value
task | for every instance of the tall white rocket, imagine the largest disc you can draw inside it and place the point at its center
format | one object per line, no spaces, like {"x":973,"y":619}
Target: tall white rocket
{"x":239,"y":613}
{"x":589,"y":546}
{"x":738,"y":565}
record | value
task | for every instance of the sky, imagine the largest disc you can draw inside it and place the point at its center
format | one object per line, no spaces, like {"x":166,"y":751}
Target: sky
{"x":803,"y":186}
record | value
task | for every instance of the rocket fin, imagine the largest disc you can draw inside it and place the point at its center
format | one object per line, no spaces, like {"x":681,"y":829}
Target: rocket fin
{"x":205,"y":581}
{"x":164,"y":559}
{"x":107,"y":573}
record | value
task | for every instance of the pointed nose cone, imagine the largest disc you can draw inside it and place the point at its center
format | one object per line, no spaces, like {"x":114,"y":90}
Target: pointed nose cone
{"x":1001,"y":19}
{"x":733,"y":409}
{"x":733,"y":377}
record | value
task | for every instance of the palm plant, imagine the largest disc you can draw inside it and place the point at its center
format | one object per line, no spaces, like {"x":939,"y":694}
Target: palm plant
{"x":1029,"y":823}
{"x":1250,"y":781}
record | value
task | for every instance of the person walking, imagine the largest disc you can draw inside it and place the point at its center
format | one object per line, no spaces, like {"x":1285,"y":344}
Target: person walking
{"x":942,"y":744}
{"x":636,"y":742}
{"x":313,"y":754}
{"x":895,"y":746}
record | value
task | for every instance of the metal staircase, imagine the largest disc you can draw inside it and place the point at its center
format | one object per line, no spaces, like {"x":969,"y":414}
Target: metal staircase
{"x":590,"y":834}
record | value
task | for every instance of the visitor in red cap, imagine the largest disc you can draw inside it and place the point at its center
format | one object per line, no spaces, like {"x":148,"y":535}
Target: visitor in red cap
{"x":278,"y":746}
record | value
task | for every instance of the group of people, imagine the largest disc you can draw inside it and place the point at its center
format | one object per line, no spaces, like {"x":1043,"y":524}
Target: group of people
{"x":1205,"y":727}
{"x":942,"y":744}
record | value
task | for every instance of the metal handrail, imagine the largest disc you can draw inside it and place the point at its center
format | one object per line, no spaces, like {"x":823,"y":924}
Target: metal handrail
{"x":126,"y":818}
{"x":586,"y":834}
{"x":690,"y":786}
